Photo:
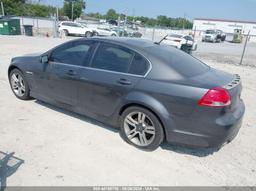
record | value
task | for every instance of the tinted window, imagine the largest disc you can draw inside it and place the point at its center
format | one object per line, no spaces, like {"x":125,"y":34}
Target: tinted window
{"x":189,"y":38}
{"x":113,"y":58}
{"x":139,"y":65}
{"x":74,"y":53}
{"x":179,"y":61}
{"x":65,"y":24}
{"x":210,"y":32}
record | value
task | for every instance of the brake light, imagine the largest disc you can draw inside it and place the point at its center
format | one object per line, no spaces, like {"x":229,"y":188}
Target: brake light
{"x":216,"y":97}
{"x":177,"y":40}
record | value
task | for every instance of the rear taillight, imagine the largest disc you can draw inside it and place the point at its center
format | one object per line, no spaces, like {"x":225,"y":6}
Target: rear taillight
{"x":216,"y":97}
{"x":177,"y":40}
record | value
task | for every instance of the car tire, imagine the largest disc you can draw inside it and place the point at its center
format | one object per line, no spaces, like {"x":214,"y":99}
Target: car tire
{"x":113,"y":35}
{"x":145,"y":133}
{"x":95,"y":34}
{"x":19,"y":85}
{"x":88,"y":34}
{"x":65,"y":32}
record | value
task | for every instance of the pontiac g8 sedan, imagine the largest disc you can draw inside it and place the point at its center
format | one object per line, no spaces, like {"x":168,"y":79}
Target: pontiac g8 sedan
{"x":150,"y":92}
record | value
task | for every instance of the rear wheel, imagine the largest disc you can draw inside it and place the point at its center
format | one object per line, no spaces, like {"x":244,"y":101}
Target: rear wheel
{"x":95,"y":34}
{"x":19,"y":85}
{"x":88,"y":34}
{"x":141,"y":128}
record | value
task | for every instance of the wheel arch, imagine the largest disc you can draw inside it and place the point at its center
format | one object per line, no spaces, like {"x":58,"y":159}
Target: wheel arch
{"x":145,"y":107}
{"x":150,"y":104}
{"x":12,"y":67}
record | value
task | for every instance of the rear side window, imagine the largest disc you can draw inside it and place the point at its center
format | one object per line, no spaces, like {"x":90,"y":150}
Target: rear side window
{"x":179,"y":61}
{"x":139,"y":65}
{"x":73,"y":53}
{"x":113,"y":58}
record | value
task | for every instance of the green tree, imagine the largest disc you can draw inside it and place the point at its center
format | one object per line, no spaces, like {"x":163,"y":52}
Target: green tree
{"x":78,"y":7}
{"x":24,"y":8}
{"x":111,"y":14}
{"x":163,"y":21}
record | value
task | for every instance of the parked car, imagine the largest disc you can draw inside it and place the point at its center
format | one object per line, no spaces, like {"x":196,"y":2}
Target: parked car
{"x":211,"y":36}
{"x":72,"y":28}
{"x":127,"y":32}
{"x":223,"y":35}
{"x":183,"y":42}
{"x":133,"y":33}
{"x":101,"y":31}
{"x":151,"y":93}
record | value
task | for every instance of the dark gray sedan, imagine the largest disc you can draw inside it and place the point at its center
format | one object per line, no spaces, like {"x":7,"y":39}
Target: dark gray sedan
{"x":152,"y":93}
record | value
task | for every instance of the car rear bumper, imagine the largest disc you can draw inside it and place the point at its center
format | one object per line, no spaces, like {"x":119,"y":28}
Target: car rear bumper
{"x":213,"y":135}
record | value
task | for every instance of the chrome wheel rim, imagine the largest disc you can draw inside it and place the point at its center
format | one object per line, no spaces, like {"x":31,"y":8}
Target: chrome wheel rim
{"x":139,"y":129}
{"x":18,"y":84}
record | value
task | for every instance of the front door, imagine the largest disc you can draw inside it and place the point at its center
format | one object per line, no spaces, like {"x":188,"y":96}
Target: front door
{"x":60,"y":77}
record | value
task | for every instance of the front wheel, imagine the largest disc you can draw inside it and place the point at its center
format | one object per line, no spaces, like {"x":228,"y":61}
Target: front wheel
{"x":19,"y":85}
{"x":141,"y":128}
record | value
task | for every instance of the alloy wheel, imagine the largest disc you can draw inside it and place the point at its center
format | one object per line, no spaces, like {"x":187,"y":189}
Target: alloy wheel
{"x":139,"y":128}
{"x":18,"y":84}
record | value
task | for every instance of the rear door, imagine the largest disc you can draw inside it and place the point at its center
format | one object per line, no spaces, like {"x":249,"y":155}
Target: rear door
{"x":114,"y":71}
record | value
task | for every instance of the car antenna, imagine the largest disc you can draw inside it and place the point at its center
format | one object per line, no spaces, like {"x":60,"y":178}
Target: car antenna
{"x":158,"y":43}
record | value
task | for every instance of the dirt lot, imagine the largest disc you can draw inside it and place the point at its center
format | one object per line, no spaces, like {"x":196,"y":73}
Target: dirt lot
{"x":62,"y":148}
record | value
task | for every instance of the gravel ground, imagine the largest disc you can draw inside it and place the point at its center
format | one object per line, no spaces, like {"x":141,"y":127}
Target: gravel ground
{"x":62,"y":148}
{"x":227,"y":53}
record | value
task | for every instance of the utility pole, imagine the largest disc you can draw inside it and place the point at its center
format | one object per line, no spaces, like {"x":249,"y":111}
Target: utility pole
{"x":184,"y":18}
{"x":2,"y":7}
{"x":72,"y":10}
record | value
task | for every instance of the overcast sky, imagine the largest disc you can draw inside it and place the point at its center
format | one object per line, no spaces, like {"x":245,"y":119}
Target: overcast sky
{"x":222,"y":9}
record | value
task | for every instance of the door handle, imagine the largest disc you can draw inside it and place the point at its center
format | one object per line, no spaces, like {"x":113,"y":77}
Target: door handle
{"x":71,"y":73}
{"x":124,"y":82}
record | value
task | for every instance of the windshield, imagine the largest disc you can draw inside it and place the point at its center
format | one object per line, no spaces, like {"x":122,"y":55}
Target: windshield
{"x":210,"y":32}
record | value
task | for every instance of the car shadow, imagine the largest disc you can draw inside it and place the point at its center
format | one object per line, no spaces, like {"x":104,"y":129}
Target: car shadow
{"x":165,"y":146}
{"x":9,"y":164}
{"x":198,"y":152}
{"x":77,"y":116}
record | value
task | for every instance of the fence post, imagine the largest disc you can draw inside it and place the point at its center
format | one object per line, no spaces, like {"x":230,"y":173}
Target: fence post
{"x":245,"y":44}
{"x":2,"y":7}
{"x":153,"y":35}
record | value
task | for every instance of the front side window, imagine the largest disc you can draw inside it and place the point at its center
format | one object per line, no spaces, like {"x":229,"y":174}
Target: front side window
{"x":113,"y":58}
{"x":73,"y":53}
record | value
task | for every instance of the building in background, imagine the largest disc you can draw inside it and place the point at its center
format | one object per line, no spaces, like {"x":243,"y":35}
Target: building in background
{"x":227,"y":26}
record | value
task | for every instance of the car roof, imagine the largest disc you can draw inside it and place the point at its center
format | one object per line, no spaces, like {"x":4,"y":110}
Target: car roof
{"x":131,"y":42}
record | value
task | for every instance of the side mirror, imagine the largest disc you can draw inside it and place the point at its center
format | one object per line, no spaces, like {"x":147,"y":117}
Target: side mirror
{"x":44,"y":59}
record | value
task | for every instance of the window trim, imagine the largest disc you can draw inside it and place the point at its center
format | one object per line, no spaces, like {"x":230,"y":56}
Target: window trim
{"x":97,"y":43}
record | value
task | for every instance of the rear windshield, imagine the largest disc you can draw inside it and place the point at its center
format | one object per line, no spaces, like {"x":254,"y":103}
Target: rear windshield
{"x":183,"y":63}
